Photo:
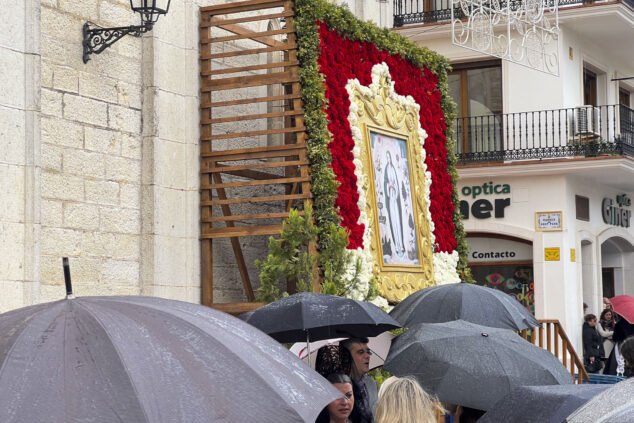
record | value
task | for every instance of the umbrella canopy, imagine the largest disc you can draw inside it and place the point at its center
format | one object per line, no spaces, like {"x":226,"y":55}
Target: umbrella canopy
{"x":614,"y":405}
{"x":541,"y":404}
{"x":624,"y":306}
{"x":471,"y":365}
{"x":380,"y":346}
{"x":319,"y":316}
{"x":469,"y":302}
{"x":143,"y":359}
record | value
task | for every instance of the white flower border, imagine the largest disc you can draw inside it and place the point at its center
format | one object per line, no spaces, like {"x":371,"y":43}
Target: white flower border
{"x":444,"y":263}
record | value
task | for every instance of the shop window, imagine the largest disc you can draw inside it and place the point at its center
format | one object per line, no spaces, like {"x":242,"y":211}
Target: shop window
{"x":477,"y":90}
{"x":514,"y":279}
{"x":582,"y":208}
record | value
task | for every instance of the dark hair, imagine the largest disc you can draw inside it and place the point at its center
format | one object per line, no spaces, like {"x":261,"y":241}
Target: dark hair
{"x":607,"y":310}
{"x":339,"y":378}
{"x":333,"y":359}
{"x":470,"y":415}
{"x":348,"y":342}
{"x":590,"y":317}
{"x":627,"y":351}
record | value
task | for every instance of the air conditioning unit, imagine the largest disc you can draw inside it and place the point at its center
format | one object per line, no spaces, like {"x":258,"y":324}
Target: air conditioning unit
{"x":586,"y":121}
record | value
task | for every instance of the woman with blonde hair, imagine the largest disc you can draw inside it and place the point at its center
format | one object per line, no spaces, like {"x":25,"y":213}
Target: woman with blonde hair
{"x":402,"y":400}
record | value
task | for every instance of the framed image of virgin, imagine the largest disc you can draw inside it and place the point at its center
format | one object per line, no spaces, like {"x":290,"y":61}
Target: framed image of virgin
{"x":393,"y":188}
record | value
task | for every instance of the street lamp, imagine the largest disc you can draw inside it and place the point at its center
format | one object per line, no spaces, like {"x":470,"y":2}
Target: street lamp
{"x":96,"y":39}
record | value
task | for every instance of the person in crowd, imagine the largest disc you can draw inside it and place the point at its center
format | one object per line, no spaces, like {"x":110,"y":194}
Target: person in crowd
{"x":627,"y":351}
{"x":606,"y":329}
{"x":339,"y":410}
{"x":467,"y":414}
{"x":622,"y":330}
{"x":402,"y":400}
{"x":365,"y":388}
{"x":606,"y":303}
{"x":333,"y":359}
{"x":592,"y":345}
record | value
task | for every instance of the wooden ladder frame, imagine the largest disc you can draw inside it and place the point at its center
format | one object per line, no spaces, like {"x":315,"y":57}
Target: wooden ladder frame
{"x":259,"y":171}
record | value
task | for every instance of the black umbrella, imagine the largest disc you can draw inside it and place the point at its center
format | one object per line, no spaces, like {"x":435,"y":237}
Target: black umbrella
{"x":466,"y":301}
{"x":471,"y":365}
{"x":143,"y":359}
{"x":614,"y":405}
{"x":307,"y":315}
{"x":541,"y":404}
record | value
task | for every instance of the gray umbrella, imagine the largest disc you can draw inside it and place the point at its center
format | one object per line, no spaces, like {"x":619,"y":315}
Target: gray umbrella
{"x":541,"y":404}
{"x":319,"y":316}
{"x":614,"y":405}
{"x":143,"y":359}
{"x":466,"y":301}
{"x":471,"y":365}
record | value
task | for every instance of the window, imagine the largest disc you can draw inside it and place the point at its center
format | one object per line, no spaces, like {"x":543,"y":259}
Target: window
{"x":589,"y":87}
{"x":624,"y":97}
{"x":477,"y":90}
{"x":582,"y":208}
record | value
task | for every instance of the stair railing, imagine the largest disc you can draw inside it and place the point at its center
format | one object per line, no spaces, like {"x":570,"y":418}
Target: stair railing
{"x":552,"y":337}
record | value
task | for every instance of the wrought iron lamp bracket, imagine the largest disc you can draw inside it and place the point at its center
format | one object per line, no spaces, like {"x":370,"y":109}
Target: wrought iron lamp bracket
{"x":96,"y":38}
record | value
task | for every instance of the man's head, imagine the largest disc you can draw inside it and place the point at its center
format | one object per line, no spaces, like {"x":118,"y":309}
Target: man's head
{"x":591,"y":319}
{"x":360,"y":353}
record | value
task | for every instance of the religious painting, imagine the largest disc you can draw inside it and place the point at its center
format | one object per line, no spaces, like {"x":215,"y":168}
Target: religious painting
{"x":394,"y":200}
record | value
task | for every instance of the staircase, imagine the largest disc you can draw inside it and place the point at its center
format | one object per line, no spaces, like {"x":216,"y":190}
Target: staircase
{"x":552,"y":337}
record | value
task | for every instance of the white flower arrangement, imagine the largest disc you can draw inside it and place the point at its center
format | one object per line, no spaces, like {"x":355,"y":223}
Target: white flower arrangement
{"x":444,"y":263}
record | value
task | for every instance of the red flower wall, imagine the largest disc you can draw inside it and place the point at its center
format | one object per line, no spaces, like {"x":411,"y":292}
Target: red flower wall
{"x":341,"y":60}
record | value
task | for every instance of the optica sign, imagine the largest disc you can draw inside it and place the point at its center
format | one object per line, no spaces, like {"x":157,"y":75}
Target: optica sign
{"x":484,"y":208}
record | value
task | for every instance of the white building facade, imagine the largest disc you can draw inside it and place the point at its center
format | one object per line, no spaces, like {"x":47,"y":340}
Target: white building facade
{"x":546,"y":169}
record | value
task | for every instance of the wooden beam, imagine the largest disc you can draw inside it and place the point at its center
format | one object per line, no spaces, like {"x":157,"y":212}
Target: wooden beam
{"x":249,"y":100}
{"x":252,"y":117}
{"x":235,"y":244}
{"x":266,"y":165}
{"x":233,"y":218}
{"x":254,"y":183}
{"x":207,"y":20}
{"x":225,"y":154}
{"x":242,"y":33}
{"x":264,"y":199}
{"x":241,"y":6}
{"x":230,"y":83}
{"x":237,"y":308}
{"x":251,"y":133}
{"x":207,"y":272}
{"x":251,"y":68}
{"x":286,"y":46}
{"x":242,"y":231}
{"x":251,"y":174}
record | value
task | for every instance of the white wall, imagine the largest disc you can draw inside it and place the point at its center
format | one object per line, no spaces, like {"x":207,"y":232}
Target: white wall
{"x":561,"y":286}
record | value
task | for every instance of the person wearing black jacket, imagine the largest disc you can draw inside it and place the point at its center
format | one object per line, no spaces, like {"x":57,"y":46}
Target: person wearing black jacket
{"x":592,"y":345}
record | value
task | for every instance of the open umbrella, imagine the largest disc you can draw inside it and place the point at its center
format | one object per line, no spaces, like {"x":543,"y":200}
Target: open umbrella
{"x":310,"y":316}
{"x":541,"y":404}
{"x":471,"y":365}
{"x":380,"y":346}
{"x":623,"y":305}
{"x":614,"y":405}
{"x":465,"y":301}
{"x":143,"y":359}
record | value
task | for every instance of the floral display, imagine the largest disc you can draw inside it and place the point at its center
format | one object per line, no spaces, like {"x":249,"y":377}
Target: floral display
{"x":344,"y":59}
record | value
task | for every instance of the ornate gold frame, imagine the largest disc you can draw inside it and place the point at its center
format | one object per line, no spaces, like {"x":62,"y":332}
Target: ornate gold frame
{"x":378,"y":111}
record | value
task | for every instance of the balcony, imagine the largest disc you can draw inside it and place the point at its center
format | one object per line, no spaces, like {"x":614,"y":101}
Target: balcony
{"x":585,"y":131}
{"x":408,"y":12}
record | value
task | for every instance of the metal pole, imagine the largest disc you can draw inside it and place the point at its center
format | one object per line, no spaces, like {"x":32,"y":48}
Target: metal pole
{"x":69,"y":285}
